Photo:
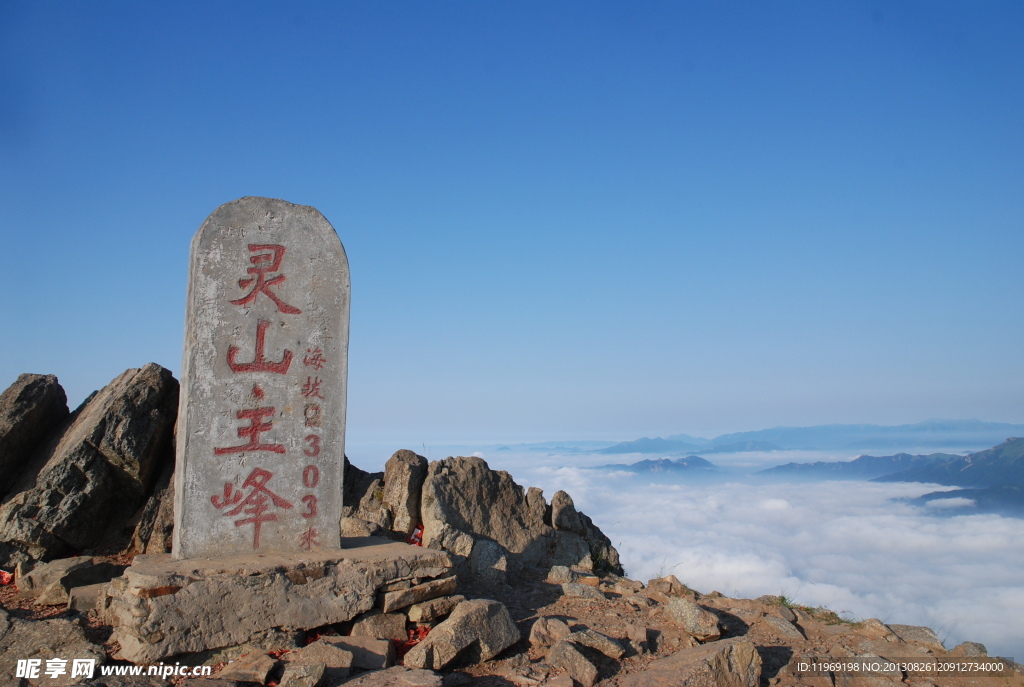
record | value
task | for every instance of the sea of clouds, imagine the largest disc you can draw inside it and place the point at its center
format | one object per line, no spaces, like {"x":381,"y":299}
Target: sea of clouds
{"x":854,"y":547}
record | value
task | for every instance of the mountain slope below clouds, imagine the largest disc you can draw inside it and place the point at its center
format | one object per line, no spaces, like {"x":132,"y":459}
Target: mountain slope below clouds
{"x":999,"y":465}
{"x":862,"y":468}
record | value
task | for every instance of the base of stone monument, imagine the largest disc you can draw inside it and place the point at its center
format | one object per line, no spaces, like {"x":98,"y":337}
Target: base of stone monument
{"x":163,"y":607}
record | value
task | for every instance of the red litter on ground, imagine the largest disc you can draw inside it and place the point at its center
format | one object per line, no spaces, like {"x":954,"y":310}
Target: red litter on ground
{"x":416,"y":635}
{"x":416,"y":538}
{"x":6,"y":577}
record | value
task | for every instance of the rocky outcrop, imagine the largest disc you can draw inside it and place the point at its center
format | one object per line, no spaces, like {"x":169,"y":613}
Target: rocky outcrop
{"x":464,"y":501}
{"x":729,"y":663}
{"x":30,"y":410}
{"x":82,"y":489}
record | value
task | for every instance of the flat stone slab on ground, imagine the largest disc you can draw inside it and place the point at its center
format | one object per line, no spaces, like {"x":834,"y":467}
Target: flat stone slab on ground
{"x":163,"y":607}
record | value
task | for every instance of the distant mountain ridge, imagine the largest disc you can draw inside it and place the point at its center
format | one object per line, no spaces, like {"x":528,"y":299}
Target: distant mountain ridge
{"x":967,"y":434}
{"x":862,"y":468}
{"x":993,"y":467}
{"x":689,"y":464}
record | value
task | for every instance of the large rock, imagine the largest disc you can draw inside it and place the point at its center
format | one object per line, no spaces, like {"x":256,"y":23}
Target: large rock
{"x":42,"y":640}
{"x":30,"y":410}
{"x":567,"y":656}
{"x":481,"y":626}
{"x":697,"y":621}
{"x":728,"y":663}
{"x":82,"y":489}
{"x":403,"y":481}
{"x":464,"y":500}
{"x":162,"y":607}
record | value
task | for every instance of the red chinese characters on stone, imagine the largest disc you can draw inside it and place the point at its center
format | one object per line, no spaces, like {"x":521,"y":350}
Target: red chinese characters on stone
{"x":252,"y":431}
{"x":255,"y":504}
{"x":314,"y":358}
{"x":311,"y":389}
{"x":309,"y":539}
{"x":259,"y":362}
{"x":261,"y":269}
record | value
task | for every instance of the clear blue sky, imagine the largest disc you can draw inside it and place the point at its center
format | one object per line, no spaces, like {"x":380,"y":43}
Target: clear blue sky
{"x":564,"y":219}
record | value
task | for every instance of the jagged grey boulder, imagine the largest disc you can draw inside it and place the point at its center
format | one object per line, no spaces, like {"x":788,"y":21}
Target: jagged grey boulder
{"x":30,"y":410}
{"x":482,"y":624}
{"x":403,"y":481}
{"x":462,"y":497}
{"x":83,"y":488}
{"x":728,"y":663}
{"x":598,"y":642}
{"x":547,"y":631}
{"x":698,"y":622}
{"x":570,"y":658}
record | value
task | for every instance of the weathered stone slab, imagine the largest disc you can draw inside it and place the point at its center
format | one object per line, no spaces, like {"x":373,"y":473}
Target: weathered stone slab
{"x":728,"y":663}
{"x":337,"y":662}
{"x":398,"y":676}
{"x":261,"y":430}
{"x":481,"y":623}
{"x":163,"y":606}
{"x":433,"y":609}
{"x":367,"y":653}
{"x":379,"y":625}
{"x":421,"y":592}
{"x":249,"y":668}
{"x":568,"y":656}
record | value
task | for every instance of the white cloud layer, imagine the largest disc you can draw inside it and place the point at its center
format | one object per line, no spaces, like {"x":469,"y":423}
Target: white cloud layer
{"x":846,"y":545}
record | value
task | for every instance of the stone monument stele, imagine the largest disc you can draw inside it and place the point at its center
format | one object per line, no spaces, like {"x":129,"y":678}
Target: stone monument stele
{"x":261,"y":417}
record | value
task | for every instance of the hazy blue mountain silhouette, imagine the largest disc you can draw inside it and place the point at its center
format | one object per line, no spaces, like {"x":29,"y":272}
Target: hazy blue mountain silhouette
{"x":996,"y":466}
{"x":967,"y":434}
{"x":862,"y":468}
{"x":689,"y":464}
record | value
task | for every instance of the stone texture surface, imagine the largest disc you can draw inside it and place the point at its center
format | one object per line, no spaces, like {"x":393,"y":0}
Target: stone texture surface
{"x":597,"y":641}
{"x":43,"y":639}
{"x":782,"y":628}
{"x":379,"y":625}
{"x":30,"y":410}
{"x":50,"y":584}
{"x":917,"y":633}
{"x":253,"y":667}
{"x":397,"y":676}
{"x":698,"y":622}
{"x":567,"y":656}
{"x":163,"y":607}
{"x":85,"y":599}
{"x":480,"y":624}
{"x":728,"y":663}
{"x":422,"y":592}
{"x":264,"y":376}
{"x":463,"y":500}
{"x":367,"y":653}
{"x":81,"y":489}
{"x":155,"y":530}
{"x":582,"y":591}
{"x":546,"y":632}
{"x":403,"y":481}
{"x":303,"y":675}
{"x":489,"y":563}
{"x":337,"y":661}
{"x":433,"y":609}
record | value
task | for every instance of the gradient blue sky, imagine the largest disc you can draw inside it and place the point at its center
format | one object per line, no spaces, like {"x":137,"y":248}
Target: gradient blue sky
{"x":564,"y":219}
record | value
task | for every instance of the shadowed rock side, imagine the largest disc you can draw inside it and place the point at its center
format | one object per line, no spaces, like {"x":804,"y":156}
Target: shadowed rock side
{"x":81,"y":489}
{"x":32,"y":408}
